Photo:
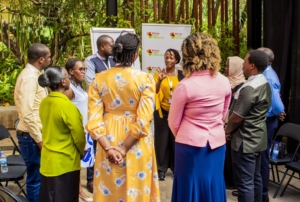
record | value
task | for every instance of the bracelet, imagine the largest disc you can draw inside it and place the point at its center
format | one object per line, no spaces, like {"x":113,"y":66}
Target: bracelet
{"x":107,"y":148}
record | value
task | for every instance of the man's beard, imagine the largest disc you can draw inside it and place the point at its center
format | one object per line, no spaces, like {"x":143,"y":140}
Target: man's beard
{"x":107,"y":54}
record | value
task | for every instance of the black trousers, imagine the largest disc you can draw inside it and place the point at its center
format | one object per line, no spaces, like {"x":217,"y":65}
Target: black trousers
{"x":164,"y":142}
{"x":63,"y":188}
{"x":272,"y":124}
{"x":228,"y":169}
{"x":246,"y":173}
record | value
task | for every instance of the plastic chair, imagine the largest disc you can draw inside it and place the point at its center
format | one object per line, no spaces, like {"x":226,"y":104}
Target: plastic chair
{"x":14,"y":174}
{"x":11,"y":159}
{"x":7,"y":196}
{"x":292,"y":131}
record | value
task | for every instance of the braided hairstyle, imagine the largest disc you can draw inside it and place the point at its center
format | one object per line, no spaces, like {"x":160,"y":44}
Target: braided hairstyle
{"x":124,"y":49}
{"x":200,"y":52}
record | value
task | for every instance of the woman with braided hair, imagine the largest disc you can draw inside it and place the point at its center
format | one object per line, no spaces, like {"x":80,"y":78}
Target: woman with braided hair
{"x":199,"y":105}
{"x":120,"y":108}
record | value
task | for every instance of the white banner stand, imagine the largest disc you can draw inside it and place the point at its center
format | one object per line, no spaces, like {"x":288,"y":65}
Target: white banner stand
{"x":156,"y":39}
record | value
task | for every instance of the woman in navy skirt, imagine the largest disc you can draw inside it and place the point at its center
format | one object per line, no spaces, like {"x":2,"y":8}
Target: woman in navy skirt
{"x":199,"y":105}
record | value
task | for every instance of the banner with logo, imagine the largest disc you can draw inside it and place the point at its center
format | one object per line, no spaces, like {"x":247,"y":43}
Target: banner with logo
{"x":156,"y":39}
{"x":112,"y":32}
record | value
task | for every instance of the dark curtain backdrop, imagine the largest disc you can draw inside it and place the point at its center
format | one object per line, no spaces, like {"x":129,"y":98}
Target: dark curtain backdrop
{"x":282,"y":34}
{"x":281,"y":28}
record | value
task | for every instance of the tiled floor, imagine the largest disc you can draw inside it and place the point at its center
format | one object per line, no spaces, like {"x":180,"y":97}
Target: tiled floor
{"x":291,"y":194}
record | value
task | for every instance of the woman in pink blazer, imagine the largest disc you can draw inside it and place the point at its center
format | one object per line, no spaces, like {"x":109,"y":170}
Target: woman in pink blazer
{"x":199,"y":105}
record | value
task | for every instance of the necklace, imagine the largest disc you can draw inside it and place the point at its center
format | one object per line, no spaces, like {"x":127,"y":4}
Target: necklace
{"x":79,"y":85}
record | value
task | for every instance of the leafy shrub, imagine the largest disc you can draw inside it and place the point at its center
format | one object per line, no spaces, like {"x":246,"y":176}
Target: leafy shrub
{"x":9,"y":71}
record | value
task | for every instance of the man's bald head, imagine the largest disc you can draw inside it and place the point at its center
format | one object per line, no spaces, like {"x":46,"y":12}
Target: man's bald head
{"x":103,"y":39}
{"x":269,"y":53}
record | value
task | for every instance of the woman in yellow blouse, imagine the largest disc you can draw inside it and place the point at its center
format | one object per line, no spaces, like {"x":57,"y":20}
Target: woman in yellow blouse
{"x":120,"y":108}
{"x":166,"y":82}
{"x":63,"y":140}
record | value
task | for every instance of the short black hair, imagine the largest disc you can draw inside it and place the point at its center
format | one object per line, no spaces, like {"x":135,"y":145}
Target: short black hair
{"x":259,"y":59}
{"x":103,"y":39}
{"x":36,"y":51}
{"x":176,"y":54}
{"x":124,"y":49}
{"x":51,"y":78}
{"x":71,"y":63}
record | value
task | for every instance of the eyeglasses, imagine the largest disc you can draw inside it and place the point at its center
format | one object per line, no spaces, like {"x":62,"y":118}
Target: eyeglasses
{"x":81,"y":69}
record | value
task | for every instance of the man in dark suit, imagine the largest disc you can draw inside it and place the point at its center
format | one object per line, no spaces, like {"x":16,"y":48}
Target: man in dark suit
{"x":96,"y":63}
{"x":101,"y":60}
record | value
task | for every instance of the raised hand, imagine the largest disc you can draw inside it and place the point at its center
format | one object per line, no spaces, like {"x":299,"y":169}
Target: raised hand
{"x":162,"y":74}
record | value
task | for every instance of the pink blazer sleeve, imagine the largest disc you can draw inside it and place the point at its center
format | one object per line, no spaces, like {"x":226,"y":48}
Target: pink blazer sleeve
{"x":227,"y":102}
{"x":179,"y":100}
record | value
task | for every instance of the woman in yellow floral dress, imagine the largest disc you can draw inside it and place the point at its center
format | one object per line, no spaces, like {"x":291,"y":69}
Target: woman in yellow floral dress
{"x":121,"y":105}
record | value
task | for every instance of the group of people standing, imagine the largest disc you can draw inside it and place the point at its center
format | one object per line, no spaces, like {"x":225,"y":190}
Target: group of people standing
{"x":247,"y":163}
{"x":58,"y":117}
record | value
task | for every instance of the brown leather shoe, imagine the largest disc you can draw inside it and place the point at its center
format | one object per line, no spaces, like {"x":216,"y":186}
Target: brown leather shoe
{"x":90,"y":187}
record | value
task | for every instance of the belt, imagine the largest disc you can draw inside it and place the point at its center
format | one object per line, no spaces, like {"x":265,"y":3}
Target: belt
{"x":21,"y":133}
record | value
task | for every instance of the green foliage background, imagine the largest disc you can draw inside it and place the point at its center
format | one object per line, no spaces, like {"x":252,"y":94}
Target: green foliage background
{"x":64,"y":26}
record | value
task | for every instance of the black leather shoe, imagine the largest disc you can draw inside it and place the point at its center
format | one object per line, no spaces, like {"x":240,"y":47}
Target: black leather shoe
{"x":161,"y":176}
{"x":235,"y":193}
{"x":90,"y":187}
{"x":266,"y":200}
{"x":230,"y":187}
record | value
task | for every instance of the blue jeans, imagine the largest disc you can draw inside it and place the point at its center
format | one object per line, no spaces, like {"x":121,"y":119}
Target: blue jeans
{"x":272,"y":124}
{"x":246,"y":175}
{"x":31,"y":155}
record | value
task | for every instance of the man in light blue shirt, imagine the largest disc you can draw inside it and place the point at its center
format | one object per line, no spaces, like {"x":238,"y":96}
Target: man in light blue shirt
{"x":276,"y":111}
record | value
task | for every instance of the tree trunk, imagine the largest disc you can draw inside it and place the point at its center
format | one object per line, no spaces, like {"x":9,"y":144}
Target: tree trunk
{"x":10,"y":43}
{"x":216,"y":8}
{"x":165,"y":9}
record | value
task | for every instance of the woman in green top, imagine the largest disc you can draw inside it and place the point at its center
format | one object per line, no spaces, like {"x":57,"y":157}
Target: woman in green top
{"x":63,"y":140}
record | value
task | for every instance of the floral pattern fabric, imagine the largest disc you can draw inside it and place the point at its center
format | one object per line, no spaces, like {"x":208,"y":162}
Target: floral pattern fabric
{"x":121,"y":103}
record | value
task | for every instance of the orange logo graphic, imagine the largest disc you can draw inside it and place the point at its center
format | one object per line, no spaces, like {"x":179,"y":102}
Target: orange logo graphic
{"x":149,"y":34}
{"x":176,"y":35}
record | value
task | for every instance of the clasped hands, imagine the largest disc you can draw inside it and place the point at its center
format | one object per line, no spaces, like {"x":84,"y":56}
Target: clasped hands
{"x":115,"y":154}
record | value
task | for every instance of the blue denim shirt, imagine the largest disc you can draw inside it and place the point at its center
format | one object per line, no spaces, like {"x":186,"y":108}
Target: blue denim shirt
{"x":276,"y":103}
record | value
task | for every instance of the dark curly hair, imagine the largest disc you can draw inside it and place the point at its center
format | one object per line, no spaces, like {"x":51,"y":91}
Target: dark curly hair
{"x":200,"y":52}
{"x":124,"y":49}
{"x":259,"y":58}
{"x":176,"y":54}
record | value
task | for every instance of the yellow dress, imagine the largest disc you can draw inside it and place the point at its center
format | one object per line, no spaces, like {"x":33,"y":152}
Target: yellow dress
{"x":121,"y":103}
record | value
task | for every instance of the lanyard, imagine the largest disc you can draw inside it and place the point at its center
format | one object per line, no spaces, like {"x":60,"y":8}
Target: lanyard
{"x":171,"y":85}
{"x":107,"y":67}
